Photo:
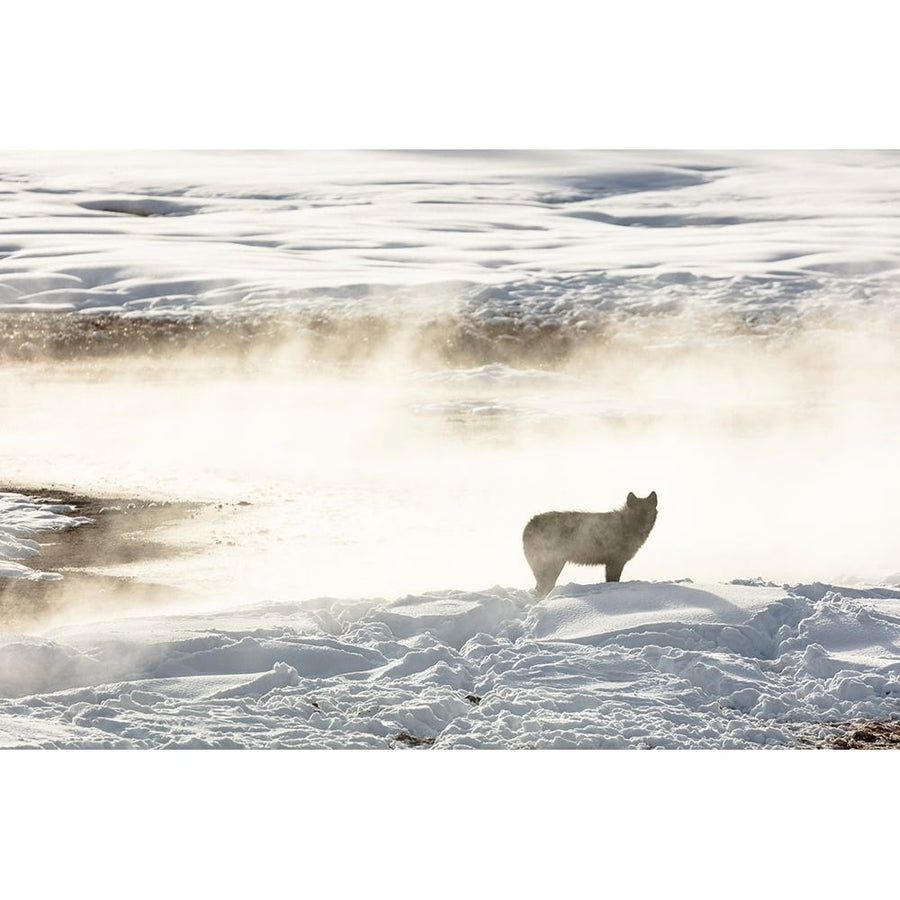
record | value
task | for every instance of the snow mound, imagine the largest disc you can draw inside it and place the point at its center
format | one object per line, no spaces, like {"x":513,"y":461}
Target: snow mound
{"x":630,"y":665}
{"x":450,"y":616}
{"x":581,"y":613}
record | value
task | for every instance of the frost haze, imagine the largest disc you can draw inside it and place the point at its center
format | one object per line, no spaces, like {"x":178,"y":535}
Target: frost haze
{"x":371,"y":369}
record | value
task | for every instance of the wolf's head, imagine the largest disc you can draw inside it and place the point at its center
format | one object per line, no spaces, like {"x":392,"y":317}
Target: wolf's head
{"x":642,"y":508}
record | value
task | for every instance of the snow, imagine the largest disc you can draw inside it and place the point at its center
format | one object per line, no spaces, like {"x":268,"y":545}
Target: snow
{"x":561,"y":234}
{"x":627,"y":665}
{"x":530,"y":824}
{"x":354,"y":576}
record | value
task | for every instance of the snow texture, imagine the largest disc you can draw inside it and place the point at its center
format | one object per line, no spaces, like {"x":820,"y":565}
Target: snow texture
{"x":629,"y":665}
{"x":555,"y":240}
{"x":552,"y":238}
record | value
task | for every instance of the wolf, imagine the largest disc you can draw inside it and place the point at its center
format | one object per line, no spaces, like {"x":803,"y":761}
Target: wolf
{"x":610,"y":539}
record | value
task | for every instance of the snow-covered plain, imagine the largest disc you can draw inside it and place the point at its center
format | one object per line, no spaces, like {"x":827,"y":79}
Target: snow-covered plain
{"x":525,"y":233}
{"x":729,"y":339}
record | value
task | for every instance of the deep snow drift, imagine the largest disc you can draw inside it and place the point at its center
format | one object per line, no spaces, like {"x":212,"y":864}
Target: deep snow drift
{"x":369,"y":370}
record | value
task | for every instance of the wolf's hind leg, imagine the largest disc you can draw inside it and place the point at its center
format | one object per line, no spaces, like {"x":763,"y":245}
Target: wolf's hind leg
{"x":614,"y":571}
{"x":546,"y":576}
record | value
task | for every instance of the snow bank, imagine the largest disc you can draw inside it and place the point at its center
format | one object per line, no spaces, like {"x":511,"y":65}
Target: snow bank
{"x":630,"y":665}
{"x":21,"y":520}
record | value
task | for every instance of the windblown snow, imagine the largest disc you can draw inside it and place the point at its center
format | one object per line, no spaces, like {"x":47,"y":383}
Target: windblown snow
{"x":636,"y":664}
{"x":459,"y":341}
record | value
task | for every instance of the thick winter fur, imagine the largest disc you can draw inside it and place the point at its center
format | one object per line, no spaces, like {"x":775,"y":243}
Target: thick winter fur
{"x":609,"y":539}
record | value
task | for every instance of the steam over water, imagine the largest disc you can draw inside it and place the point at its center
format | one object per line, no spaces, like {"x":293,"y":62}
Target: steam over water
{"x":771,"y":459}
{"x":374,"y":402}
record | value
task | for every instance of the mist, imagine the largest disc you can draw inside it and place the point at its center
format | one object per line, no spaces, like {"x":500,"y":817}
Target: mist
{"x":772,"y":457}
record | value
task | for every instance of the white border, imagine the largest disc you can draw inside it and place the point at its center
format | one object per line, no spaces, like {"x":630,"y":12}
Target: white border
{"x":695,"y":74}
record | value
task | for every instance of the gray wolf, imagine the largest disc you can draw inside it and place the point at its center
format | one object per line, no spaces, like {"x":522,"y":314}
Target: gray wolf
{"x":610,"y":539}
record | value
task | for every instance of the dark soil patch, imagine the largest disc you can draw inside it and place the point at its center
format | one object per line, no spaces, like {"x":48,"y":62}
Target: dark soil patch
{"x":857,"y":735}
{"x":412,"y":741}
{"x":867,"y":736}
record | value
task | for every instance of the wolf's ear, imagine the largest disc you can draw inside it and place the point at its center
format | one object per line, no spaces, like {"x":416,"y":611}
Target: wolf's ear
{"x":630,"y":500}
{"x":652,"y":497}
